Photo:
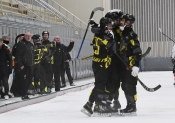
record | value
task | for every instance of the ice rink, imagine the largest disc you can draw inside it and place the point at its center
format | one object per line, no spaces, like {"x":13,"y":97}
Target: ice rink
{"x":153,"y":107}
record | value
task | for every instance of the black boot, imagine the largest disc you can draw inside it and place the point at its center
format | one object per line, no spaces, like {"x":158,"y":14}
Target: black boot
{"x":131,"y":106}
{"x":109,"y":107}
{"x":129,"y":110}
{"x":102,"y":110}
{"x":116,"y":106}
{"x":63,"y":85}
{"x":72,"y":84}
{"x":87,"y":109}
{"x":25,"y":97}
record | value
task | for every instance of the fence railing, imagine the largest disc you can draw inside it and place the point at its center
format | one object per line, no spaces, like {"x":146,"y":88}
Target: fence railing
{"x":57,"y":12}
{"x":40,"y":10}
{"x":67,"y":13}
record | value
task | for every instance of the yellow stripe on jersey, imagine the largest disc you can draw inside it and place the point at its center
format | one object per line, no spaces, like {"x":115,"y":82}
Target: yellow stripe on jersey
{"x":132,"y":42}
{"x":135,"y":97}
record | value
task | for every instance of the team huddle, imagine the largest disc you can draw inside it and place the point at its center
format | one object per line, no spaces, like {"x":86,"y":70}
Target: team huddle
{"x":115,"y":63}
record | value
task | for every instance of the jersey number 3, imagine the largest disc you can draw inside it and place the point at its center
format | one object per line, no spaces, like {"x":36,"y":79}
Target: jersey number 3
{"x":97,"y":49}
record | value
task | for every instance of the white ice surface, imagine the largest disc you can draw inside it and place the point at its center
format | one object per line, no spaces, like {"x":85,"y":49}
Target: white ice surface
{"x":153,"y":107}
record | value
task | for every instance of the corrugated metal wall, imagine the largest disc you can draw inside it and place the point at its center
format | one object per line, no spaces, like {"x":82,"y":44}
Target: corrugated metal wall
{"x":150,"y":16}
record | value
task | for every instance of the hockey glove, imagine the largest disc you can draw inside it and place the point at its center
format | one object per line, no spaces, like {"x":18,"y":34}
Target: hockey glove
{"x":135,"y":71}
{"x":173,"y":60}
{"x":92,"y":22}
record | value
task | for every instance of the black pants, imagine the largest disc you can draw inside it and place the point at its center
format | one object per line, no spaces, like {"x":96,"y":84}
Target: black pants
{"x":26,"y":79}
{"x":39,"y":76}
{"x":101,"y":79}
{"x":16,"y":85}
{"x":116,"y":78}
{"x":66,"y":68}
{"x":4,"y":79}
{"x":36,"y":75}
{"x":129,"y":85}
{"x":57,"y":74}
{"x":47,"y":67}
{"x":43,"y":77}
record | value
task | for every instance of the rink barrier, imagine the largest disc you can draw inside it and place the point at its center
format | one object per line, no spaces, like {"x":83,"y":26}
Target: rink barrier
{"x":22,"y":103}
{"x":156,"y":64}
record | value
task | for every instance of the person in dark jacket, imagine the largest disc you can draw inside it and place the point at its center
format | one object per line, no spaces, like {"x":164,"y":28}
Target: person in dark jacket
{"x":66,"y":68}
{"x":16,"y":85}
{"x":5,"y":64}
{"x":25,"y":60}
{"x":59,"y":59}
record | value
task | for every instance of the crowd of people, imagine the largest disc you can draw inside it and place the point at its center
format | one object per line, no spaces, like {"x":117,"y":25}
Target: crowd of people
{"x":38,"y":65}
{"x":116,"y":58}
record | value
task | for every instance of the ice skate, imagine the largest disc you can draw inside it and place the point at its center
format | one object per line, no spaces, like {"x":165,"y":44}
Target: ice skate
{"x":115,"y":108}
{"x":87,"y":109}
{"x":130,"y":110}
{"x":101,"y":111}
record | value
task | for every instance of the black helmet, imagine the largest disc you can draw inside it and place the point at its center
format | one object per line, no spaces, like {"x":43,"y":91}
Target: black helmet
{"x":113,"y":16}
{"x":120,"y":14}
{"x":36,"y":36}
{"x":45,"y":32}
{"x":129,"y":18}
{"x":104,"y":21}
{"x":109,"y":15}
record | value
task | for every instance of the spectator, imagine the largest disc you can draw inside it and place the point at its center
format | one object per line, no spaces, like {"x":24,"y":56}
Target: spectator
{"x":6,"y":39}
{"x":25,"y":60}
{"x":16,"y":85}
{"x":59,"y":59}
{"x":5,"y":66}
{"x":66,"y":68}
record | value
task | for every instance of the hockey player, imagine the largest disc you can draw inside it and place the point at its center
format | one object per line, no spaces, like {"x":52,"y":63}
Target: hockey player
{"x":115,"y":73}
{"x":173,"y":61}
{"x":130,"y":52}
{"x":102,"y":44}
{"x":47,"y":60}
{"x":38,"y":73}
{"x":115,"y":77}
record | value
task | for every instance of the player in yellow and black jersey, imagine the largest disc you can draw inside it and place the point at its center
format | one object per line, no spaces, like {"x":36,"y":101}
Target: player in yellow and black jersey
{"x":47,"y":60}
{"x":113,"y":84}
{"x":115,"y":72}
{"x":130,"y":52}
{"x":39,"y":82}
{"x":102,"y":46}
